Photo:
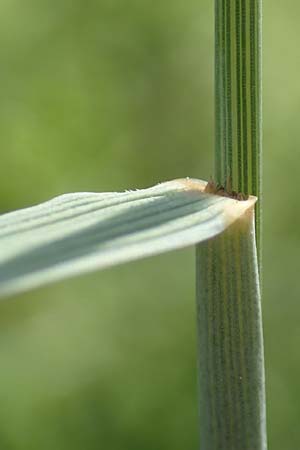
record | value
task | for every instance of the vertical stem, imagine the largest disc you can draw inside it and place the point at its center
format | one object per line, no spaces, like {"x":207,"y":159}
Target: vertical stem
{"x":238,"y":144}
{"x":231,"y":365}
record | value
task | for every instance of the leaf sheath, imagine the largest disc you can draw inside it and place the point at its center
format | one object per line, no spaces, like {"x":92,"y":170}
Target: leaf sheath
{"x":232,"y":391}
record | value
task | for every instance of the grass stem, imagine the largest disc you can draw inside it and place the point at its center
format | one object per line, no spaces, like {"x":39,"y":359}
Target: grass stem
{"x":231,"y":363}
{"x":232,"y":398}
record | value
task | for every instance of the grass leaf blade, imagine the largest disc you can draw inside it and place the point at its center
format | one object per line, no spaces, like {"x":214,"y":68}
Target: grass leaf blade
{"x":77,"y":233}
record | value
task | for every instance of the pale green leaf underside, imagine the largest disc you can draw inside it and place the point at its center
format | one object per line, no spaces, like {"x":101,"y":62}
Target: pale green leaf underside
{"x":82,"y":232}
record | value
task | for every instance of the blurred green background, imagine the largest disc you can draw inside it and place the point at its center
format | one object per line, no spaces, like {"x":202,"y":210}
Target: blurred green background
{"x":108,"y":95}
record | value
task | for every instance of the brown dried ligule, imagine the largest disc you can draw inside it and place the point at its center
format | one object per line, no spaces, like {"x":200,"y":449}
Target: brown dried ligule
{"x":217,"y":189}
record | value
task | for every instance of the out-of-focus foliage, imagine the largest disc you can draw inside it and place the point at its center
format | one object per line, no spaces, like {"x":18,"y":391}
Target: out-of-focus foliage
{"x":110,"y":95}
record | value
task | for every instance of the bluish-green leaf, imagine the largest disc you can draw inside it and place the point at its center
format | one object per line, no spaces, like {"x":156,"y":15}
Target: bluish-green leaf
{"x":81,"y":232}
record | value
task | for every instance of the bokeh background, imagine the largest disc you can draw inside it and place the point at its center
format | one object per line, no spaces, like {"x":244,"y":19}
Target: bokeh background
{"x":111,"y":95}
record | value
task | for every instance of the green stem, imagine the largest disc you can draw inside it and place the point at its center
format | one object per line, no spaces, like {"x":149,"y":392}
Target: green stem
{"x":232,"y":398}
{"x":238,"y":96}
{"x":232,"y":395}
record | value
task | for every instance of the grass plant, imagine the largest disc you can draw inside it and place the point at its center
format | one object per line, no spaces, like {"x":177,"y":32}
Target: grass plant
{"x":231,"y":358}
{"x":80,"y":232}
